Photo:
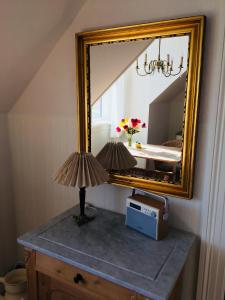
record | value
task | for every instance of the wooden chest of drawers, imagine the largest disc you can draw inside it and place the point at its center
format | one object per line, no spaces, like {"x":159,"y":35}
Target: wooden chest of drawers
{"x":103,"y":260}
{"x":52,"y":279}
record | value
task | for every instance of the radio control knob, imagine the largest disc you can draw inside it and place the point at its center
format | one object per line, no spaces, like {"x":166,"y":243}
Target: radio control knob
{"x":153,"y":214}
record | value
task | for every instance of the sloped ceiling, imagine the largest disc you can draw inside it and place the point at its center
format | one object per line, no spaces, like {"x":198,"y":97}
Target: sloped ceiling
{"x":29,"y":29}
{"x":112,"y":60}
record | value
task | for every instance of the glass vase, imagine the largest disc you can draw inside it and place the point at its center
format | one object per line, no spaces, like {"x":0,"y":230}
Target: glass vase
{"x":129,"y":139}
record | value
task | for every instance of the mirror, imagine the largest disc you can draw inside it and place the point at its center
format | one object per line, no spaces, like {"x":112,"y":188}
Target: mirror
{"x":143,"y":92}
{"x":140,"y":105}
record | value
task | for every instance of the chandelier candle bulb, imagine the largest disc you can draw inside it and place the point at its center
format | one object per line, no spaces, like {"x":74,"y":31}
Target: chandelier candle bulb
{"x":146,"y":58}
{"x":168,"y":59}
{"x":181,"y":61}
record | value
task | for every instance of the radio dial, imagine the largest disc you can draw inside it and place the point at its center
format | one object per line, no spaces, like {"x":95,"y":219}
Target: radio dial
{"x":153,"y":214}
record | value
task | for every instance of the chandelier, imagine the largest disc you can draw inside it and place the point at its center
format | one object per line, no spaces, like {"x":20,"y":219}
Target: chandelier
{"x":163,"y":65}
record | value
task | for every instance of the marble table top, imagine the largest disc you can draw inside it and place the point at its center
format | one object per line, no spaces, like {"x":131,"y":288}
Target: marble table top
{"x":107,"y":248}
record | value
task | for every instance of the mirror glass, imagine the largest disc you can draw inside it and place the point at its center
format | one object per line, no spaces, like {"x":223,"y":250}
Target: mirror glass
{"x":138,"y":97}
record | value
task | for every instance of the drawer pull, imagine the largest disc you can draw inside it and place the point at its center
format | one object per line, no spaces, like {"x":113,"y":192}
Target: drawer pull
{"x":78,"y":278}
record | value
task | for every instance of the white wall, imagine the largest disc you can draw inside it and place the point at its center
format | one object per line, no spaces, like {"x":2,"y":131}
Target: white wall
{"x":39,"y":146}
{"x":111,"y":60}
{"x":42,"y":127}
{"x":7,"y":217}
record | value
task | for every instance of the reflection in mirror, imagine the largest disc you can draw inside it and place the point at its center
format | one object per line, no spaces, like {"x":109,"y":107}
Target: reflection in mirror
{"x":138,"y":97}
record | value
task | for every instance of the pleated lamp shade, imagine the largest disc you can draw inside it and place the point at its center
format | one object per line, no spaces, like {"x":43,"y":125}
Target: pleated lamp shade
{"x":115,"y":156}
{"x":81,"y":170}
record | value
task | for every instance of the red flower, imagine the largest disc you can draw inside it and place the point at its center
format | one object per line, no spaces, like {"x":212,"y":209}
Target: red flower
{"x":118,"y":129}
{"x":125,"y":127}
{"x":134,"y":122}
{"x":138,"y":121}
{"x":143,"y":125}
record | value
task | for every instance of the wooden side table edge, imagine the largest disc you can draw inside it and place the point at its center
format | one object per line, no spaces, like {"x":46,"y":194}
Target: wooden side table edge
{"x":32,"y":275}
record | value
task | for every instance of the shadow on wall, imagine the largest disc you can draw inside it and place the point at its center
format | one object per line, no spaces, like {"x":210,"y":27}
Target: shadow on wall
{"x":162,"y":127}
{"x":7,"y":214}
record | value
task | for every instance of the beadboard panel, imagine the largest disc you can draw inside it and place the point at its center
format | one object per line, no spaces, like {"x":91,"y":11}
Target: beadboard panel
{"x":7,"y":218}
{"x":39,"y":146}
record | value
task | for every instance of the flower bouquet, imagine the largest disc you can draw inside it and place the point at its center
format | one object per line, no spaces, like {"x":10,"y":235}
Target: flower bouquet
{"x":130,"y":127}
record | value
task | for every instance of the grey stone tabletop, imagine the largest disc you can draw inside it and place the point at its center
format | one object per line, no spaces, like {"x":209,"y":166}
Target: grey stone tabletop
{"x":108,"y":248}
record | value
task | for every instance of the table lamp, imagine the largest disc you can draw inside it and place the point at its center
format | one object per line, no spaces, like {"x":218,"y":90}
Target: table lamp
{"x":81,"y":170}
{"x":115,"y":156}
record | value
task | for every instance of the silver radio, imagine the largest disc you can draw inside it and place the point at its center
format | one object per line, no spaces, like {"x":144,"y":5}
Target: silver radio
{"x":147,"y":215}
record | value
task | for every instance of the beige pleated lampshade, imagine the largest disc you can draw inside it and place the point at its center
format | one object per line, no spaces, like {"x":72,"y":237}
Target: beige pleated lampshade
{"x":115,"y":156}
{"x":82,"y":170}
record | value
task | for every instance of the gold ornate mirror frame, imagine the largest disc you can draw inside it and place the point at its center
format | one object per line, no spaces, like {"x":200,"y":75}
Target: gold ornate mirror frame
{"x":192,"y":26}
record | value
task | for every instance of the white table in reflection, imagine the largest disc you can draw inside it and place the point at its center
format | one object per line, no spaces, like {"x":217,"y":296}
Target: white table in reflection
{"x":156,"y":152}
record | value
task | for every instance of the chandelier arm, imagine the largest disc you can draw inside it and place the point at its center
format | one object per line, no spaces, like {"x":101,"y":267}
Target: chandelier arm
{"x":139,"y":74}
{"x":148,"y":72}
{"x":176,"y":73}
{"x":167,"y":74}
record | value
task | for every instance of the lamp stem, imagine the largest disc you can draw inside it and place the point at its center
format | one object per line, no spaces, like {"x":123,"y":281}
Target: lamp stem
{"x":82,"y":200}
{"x":82,"y":218}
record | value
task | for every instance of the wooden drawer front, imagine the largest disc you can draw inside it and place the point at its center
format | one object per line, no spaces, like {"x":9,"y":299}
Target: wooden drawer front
{"x":92,"y":284}
{"x":51,"y":289}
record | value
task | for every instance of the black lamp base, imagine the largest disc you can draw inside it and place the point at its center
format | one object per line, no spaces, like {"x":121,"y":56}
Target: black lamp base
{"x":80,"y":220}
